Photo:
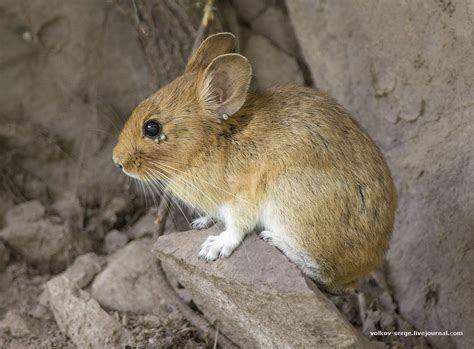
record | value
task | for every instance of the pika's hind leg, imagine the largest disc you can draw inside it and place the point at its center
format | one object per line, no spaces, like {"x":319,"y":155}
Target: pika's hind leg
{"x":308,"y":266}
{"x":281,"y":242}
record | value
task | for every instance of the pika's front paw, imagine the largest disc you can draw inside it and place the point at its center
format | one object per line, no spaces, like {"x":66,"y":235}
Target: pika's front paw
{"x":218,"y":246}
{"x":202,"y":223}
{"x":267,"y":235}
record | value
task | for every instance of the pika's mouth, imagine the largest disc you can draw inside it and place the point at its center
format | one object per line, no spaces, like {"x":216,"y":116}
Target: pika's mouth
{"x":131,"y":174}
{"x":120,"y":166}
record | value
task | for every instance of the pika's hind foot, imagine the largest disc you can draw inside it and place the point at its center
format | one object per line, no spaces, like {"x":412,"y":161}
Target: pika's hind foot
{"x":219,"y":246}
{"x":202,"y":223}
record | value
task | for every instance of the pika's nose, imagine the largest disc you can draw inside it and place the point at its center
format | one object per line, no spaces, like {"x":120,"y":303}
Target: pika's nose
{"x":117,"y":163}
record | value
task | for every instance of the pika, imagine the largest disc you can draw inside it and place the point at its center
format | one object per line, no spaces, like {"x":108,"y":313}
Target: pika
{"x":288,"y":162}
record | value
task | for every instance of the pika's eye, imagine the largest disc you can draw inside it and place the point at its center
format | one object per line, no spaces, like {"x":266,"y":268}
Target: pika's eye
{"x":152,"y":128}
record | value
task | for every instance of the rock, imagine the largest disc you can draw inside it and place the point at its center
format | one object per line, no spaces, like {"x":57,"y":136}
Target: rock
{"x":30,"y":211}
{"x":41,"y":310}
{"x":144,"y":227}
{"x":130,"y":281}
{"x":109,"y":217}
{"x":114,"y":209}
{"x":69,"y":209}
{"x":271,"y":66}
{"x":249,"y":9}
{"x":17,"y":325}
{"x":257,"y":296}
{"x":41,"y":243}
{"x":274,"y":24}
{"x":84,"y":268}
{"x":414,"y":99}
{"x":114,"y":240}
{"x":4,"y":256}
{"x":81,"y":318}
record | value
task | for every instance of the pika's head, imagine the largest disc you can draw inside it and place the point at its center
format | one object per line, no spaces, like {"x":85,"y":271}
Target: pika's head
{"x":173,"y":126}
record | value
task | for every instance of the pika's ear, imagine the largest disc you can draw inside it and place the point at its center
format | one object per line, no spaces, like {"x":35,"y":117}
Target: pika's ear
{"x":214,"y":45}
{"x":224,"y":84}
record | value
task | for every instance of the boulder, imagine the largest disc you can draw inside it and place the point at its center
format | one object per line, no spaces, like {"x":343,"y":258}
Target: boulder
{"x":81,"y":318}
{"x":130,"y":281}
{"x":114,"y":240}
{"x":258,"y":298}
{"x":17,"y":325}
{"x":249,"y":9}
{"x":271,"y":66}
{"x":111,"y":215}
{"x":113,"y":211}
{"x":406,"y":74}
{"x":274,"y":24}
{"x":84,"y":268}
{"x":69,"y":209}
{"x":41,"y":243}
{"x":30,"y":211}
{"x":145,"y":226}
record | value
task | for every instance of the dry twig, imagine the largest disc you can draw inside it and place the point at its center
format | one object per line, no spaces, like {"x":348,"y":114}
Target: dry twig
{"x":207,"y":17}
{"x":161,"y":217}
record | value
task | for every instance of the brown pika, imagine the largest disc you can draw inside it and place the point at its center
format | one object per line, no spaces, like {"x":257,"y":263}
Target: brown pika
{"x":289,"y":162}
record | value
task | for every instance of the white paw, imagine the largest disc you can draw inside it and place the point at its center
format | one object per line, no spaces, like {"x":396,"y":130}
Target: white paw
{"x":267,"y":235}
{"x":219,"y":246}
{"x":202,"y":223}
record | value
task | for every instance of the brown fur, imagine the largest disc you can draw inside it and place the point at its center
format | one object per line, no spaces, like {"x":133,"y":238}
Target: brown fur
{"x":328,"y":183}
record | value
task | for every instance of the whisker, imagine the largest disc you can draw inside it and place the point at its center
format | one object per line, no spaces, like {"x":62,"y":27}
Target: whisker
{"x":167,"y":159}
{"x":155,"y":189}
{"x":214,"y":203}
{"x":152,"y":193}
{"x":170,"y":211}
{"x":202,"y":180}
{"x":144,"y":194}
{"x":161,"y":192}
{"x":177,"y":205}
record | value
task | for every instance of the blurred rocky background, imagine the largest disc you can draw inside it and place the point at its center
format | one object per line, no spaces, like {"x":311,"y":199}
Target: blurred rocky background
{"x":76,"y":234}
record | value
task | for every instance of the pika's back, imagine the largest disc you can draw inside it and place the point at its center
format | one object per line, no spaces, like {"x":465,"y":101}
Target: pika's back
{"x":290,"y":119}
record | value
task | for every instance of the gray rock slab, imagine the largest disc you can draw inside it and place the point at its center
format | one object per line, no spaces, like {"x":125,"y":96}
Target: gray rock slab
{"x":257,"y":296}
{"x":84,"y":268}
{"x":274,"y":24}
{"x":130,"y":281}
{"x":249,"y":9}
{"x":271,"y":66}
{"x":81,"y":318}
